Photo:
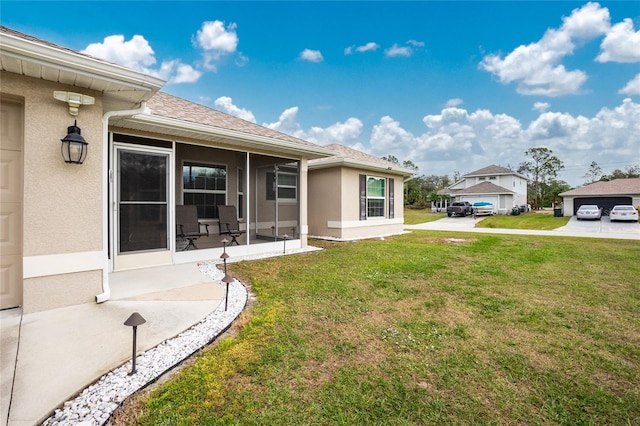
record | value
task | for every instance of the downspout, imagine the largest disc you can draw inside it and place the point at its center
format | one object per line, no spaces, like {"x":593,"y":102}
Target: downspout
{"x":106,"y":290}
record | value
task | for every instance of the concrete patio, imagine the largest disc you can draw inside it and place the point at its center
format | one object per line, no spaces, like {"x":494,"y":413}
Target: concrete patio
{"x":49,"y":356}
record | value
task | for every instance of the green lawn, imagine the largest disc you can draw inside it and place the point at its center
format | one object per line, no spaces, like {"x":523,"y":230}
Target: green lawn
{"x":425,"y":328}
{"x":530,"y":220}
{"x":416,"y":216}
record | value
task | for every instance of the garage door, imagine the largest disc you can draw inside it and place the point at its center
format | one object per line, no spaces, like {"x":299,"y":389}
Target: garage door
{"x":10,"y":204}
{"x":605,"y":203}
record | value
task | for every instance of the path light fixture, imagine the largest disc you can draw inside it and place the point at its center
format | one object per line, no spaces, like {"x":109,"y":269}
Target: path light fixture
{"x":134,"y":321}
{"x":74,"y":147}
{"x":227,"y":279}
{"x":284,"y":243}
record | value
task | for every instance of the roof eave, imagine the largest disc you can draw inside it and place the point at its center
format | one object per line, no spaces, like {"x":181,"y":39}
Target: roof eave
{"x":348,"y":162}
{"x":51,"y":56}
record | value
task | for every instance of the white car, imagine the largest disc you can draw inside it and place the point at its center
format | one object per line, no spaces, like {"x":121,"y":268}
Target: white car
{"x":623,"y":213}
{"x":589,"y":211}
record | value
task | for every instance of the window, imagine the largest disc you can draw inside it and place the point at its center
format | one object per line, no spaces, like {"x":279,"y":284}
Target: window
{"x":204,"y":186}
{"x":481,"y":178}
{"x":287,"y":186}
{"x":492,"y":178}
{"x":375,"y":196}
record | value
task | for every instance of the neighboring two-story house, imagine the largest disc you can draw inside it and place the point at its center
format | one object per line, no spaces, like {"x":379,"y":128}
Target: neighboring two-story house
{"x":497,"y":185}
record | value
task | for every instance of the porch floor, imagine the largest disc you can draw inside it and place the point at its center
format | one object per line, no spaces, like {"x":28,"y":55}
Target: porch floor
{"x":55,"y":354}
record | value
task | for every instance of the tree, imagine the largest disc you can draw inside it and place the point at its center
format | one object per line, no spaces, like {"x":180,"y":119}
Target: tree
{"x":554,"y":188}
{"x":628,"y":172}
{"x":594,"y":173}
{"x":392,"y":159}
{"x":543,"y":167}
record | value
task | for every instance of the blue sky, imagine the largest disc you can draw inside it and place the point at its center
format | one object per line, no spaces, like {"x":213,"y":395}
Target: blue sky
{"x":450,"y":85}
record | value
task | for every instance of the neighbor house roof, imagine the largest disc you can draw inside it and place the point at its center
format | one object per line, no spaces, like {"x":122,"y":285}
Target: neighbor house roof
{"x":493,"y":170}
{"x":30,"y":56}
{"x":629,"y":186}
{"x":481,"y":188}
{"x":345,"y":156}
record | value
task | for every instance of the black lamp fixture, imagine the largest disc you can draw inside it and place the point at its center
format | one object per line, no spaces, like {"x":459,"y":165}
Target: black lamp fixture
{"x":74,"y":147}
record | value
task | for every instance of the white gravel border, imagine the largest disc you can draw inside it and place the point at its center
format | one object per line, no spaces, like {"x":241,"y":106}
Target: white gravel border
{"x":96,"y":403}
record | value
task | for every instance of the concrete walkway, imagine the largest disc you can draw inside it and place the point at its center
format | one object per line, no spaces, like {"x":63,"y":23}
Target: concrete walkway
{"x":56,"y":353}
{"x":574,"y":228}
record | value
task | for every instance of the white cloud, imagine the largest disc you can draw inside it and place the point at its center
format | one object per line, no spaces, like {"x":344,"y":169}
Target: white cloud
{"x":416,"y":43}
{"x":311,"y":55}
{"x":368,"y":47}
{"x":541,"y":106}
{"x":622,"y":44}
{"x":459,"y":140}
{"x":214,"y":36}
{"x":632,"y":87}
{"x":340,"y":133}
{"x":397,"y":50}
{"x":137,"y":54}
{"x":454,"y":102}
{"x":287,"y":123}
{"x":536,"y":67}
{"x":226,"y":104}
{"x":217,"y":42}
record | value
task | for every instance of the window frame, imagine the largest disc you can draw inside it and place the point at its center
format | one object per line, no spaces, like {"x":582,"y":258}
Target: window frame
{"x":382,"y":198}
{"x":224,"y":192}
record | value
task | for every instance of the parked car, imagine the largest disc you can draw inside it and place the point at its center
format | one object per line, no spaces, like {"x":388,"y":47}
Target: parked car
{"x":459,"y":208}
{"x":589,"y":211}
{"x":623,"y":213}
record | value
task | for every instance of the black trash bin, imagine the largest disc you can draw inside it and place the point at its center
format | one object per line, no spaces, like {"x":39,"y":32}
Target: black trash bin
{"x":557,"y":212}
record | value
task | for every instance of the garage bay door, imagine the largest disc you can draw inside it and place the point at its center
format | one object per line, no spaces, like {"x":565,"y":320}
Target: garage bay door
{"x":605,"y":203}
{"x":493,"y":199}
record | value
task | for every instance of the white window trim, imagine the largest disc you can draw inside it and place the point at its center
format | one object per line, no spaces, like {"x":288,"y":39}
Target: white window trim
{"x":197,"y":191}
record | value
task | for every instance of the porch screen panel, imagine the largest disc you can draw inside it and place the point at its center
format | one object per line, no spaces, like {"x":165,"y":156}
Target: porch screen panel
{"x":142,"y":201}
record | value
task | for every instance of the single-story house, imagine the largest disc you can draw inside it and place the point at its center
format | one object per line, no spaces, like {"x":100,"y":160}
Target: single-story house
{"x":355,"y":195}
{"x":497,"y":185}
{"x":130,"y":155}
{"x":604,"y":194}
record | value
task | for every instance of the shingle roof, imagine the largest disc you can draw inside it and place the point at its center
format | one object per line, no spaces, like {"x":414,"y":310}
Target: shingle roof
{"x":169,"y":106}
{"x":491,"y":170}
{"x":612,"y":187}
{"x":345,"y":154}
{"x":482,"y":188}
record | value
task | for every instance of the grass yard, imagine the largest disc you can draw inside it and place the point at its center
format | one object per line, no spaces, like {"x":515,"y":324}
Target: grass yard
{"x":416,"y":216}
{"x":424,"y":328}
{"x":530,"y":220}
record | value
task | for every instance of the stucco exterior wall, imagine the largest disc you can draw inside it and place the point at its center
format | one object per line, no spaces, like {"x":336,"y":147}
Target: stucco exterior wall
{"x":343,"y":220}
{"x":62,"y":202}
{"x":325,"y":201}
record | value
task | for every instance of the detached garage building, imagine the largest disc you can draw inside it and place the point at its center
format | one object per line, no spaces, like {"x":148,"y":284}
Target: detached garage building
{"x":604,"y":194}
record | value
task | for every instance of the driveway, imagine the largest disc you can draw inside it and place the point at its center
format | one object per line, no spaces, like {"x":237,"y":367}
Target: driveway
{"x":603,"y":226}
{"x":574,"y":228}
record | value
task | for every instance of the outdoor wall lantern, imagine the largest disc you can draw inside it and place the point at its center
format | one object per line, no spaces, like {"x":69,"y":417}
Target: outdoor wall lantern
{"x":134,"y":321}
{"x":74,"y":147}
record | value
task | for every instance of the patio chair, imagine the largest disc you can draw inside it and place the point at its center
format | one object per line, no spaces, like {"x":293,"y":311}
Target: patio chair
{"x":229,"y":224}
{"x":188,"y":227}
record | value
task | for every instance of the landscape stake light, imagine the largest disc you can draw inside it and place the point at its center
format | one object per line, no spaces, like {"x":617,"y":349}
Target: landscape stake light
{"x":284,"y":244}
{"x":227,"y":279}
{"x":134,"y":321}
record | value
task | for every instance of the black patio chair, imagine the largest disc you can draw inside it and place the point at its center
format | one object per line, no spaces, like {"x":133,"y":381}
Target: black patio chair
{"x":229,"y":224}
{"x":188,"y":227}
